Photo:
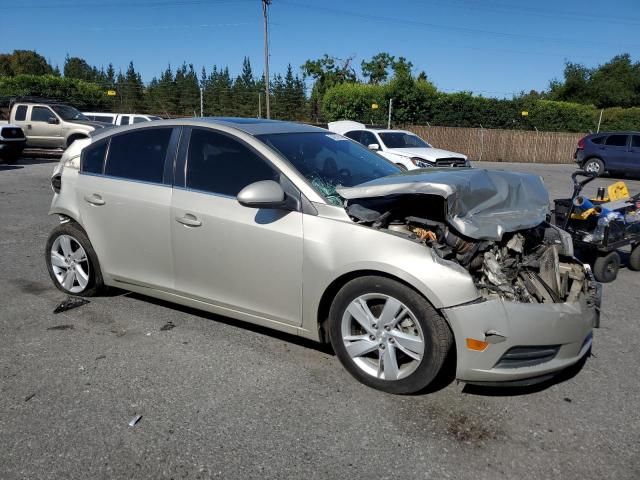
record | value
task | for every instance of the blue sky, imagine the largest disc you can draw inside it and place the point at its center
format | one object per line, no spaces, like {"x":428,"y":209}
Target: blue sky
{"x":491,"y":47}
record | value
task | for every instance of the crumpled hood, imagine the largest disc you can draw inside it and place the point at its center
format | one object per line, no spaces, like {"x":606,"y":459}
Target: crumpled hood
{"x":430,"y":154}
{"x":481,"y":204}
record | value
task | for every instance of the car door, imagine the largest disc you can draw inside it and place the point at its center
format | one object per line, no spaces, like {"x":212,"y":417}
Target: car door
{"x":238,"y":258}
{"x":615,"y":152}
{"x":124,"y":194}
{"x":634,"y":154}
{"x":43,"y":127}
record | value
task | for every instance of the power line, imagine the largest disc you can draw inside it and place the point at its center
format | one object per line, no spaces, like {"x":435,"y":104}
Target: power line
{"x":146,"y":4}
{"x":446,"y":28}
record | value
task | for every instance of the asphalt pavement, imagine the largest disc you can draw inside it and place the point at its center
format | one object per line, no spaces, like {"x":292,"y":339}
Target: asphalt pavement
{"x":224,"y":399}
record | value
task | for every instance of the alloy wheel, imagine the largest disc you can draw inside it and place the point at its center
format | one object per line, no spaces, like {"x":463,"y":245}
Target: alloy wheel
{"x":382,"y":336}
{"x":70,"y":264}
{"x":593,"y":167}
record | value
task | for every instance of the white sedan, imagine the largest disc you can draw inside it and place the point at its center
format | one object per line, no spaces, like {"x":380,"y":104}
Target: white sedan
{"x":405,"y":149}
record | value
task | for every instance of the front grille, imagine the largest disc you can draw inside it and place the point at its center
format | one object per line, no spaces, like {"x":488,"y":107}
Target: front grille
{"x":451,"y":162}
{"x":518,"y":357}
{"x":12,"y":132}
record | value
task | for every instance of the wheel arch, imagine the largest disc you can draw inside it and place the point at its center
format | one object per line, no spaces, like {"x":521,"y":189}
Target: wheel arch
{"x":594,"y":157}
{"x":75,"y":136}
{"x":322,"y":314}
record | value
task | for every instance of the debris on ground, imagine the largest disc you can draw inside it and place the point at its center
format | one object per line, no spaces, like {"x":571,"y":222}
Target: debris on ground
{"x":101,"y":357}
{"x":61,"y":327}
{"x":135,"y":420}
{"x":29,"y":397}
{"x":69,"y":303}
{"x":167,"y":326}
{"x":567,"y":399}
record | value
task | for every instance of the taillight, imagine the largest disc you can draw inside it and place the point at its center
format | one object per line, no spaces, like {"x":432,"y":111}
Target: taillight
{"x":581,"y":143}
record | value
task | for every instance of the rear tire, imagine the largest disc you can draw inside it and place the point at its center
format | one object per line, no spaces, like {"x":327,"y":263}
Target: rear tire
{"x":387,"y":335}
{"x":72,"y":262}
{"x":605,"y":268}
{"x":634,"y":258}
{"x":594,"y":165}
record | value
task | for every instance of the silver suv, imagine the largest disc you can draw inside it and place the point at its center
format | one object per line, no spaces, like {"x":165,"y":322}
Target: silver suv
{"x":305,"y":231}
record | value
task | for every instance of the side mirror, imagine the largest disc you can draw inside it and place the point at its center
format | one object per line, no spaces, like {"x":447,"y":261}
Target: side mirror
{"x":52,"y":121}
{"x":373,"y":146}
{"x":262,"y":194}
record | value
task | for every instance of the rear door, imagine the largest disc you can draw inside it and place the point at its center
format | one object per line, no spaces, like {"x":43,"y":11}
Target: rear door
{"x":239,"y":258}
{"x":44,"y":128}
{"x":615,"y":152}
{"x":124,"y":193}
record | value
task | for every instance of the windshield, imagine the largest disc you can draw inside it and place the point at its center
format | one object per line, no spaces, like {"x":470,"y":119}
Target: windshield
{"x":68,"y":113}
{"x":328,"y":160}
{"x":402,"y":140}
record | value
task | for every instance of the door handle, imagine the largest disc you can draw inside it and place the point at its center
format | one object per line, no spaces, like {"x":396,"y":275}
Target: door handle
{"x":189,"y":220}
{"x":94,"y":199}
{"x":29,"y":126}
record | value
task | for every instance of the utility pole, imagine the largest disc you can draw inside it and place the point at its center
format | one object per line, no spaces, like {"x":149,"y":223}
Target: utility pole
{"x":259,"y":105}
{"x":390,"y":107}
{"x":265,"y":14}
{"x":201,"y":103}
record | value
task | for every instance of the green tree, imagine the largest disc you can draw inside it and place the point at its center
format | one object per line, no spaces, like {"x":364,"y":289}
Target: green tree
{"x":75,"y":67}
{"x":326,"y":72}
{"x":24,"y":62}
{"x":376,"y":70}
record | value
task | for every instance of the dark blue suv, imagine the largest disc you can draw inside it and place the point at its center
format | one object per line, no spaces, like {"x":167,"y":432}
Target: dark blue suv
{"x":613,"y":152}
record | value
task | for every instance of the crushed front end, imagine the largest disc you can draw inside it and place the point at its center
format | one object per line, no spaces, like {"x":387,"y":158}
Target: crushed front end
{"x":537,"y":303}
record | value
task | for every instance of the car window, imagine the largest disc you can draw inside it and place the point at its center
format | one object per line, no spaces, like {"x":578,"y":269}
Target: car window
{"x":102,"y":118}
{"x":328,"y":160}
{"x":139,"y":155}
{"x":368,"y":138}
{"x":402,"y":140}
{"x":354,"y":135}
{"x":617,"y":140}
{"x":21,"y":113}
{"x":124,"y":120}
{"x":139,"y":119}
{"x":635,"y":142}
{"x":219,"y":164}
{"x":598,"y":140}
{"x":93,"y":157}
{"x":41,"y":114}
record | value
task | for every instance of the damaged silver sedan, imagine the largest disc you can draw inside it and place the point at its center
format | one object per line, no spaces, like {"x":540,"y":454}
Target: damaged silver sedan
{"x":302,"y":230}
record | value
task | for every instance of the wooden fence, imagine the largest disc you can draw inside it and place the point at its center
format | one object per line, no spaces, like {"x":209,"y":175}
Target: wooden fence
{"x":495,"y":145}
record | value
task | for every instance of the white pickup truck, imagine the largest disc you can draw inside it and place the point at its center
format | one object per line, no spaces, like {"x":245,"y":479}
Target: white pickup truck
{"x":120,"y":118}
{"x":51,"y":125}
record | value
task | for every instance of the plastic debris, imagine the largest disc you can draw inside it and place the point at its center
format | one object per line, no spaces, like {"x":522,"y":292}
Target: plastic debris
{"x":135,"y":420}
{"x":61,"y":327}
{"x":29,"y":397}
{"x":69,"y":303}
{"x":167,"y":326}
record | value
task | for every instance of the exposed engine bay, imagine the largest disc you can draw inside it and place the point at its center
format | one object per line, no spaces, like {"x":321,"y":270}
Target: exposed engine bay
{"x":533,"y":265}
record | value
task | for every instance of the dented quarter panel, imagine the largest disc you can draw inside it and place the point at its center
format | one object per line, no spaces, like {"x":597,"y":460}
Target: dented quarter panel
{"x":334,"y":246}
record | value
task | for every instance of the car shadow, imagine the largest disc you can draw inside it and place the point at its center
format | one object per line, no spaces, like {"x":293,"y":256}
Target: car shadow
{"x":10,"y":167}
{"x":497,"y":391}
{"x":287,"y":337}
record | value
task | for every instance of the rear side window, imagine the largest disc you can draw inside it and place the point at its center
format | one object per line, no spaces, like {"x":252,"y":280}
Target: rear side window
{"x":139,"y":155}
{"x":635,"y":142}
{"x":598,"y":140}
{"x":219,"y":164}
{"x":93,"y":158}
{"x":21,"y":113}
{"x":617,"y":140}
{"x":139,"y":119}
{"x":124,"y":120}
{"x":41,"y":114}
{"x":101,"y":118}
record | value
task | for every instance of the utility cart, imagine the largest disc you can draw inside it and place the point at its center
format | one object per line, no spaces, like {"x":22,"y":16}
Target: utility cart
{"x":601,"y":226}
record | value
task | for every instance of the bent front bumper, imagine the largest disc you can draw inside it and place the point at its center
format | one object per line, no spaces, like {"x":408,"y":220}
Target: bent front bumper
{"x":534,"y":340}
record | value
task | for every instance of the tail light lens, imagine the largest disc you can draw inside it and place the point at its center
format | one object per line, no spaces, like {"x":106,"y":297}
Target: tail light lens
{"x":581,"y":143}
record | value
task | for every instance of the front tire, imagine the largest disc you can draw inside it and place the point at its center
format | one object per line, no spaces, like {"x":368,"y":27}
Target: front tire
{"x":387,"y":335}
{"x":71,"y":261}
{"x":634,"y":258}
{"x":594,"y":165}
